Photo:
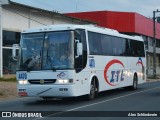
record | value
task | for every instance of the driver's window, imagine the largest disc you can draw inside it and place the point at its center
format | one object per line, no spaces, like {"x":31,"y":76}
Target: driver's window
{"x":81,"y":61}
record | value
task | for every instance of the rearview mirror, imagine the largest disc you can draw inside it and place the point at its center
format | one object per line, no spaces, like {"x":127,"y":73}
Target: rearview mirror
{"x":79,"y":48}
{"x":15,"y":47}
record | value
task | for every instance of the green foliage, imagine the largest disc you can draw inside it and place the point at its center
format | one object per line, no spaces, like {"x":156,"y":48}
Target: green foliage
{"x":1,"y":94}
{"x":8,"y":79}
{"x":152,"y":77}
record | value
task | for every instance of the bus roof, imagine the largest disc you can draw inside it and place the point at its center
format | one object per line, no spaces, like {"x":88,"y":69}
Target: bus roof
{"x":91,"y":28}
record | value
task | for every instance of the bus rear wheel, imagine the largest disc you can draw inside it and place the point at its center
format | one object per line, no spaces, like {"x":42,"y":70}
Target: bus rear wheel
{"x":135,"y":83}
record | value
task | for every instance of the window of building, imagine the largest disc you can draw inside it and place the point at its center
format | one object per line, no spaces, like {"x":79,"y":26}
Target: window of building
{"x":10,"y":38}
{"x":150,"y":41}
{"x":145,"y":38}
{"x":9,"y":65}
{"x":158,"y":43}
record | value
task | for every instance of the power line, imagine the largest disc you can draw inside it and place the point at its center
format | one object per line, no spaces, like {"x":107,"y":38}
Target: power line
{"x":50,"y":6}
{"x":91,"y":8}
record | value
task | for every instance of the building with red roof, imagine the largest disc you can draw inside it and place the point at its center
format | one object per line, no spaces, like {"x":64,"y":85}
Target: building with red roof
{"x":129,"y":23}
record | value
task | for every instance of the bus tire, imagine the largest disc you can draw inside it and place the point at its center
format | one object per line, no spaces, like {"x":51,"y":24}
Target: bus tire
{"x":135,"y":83}
{"x":93,"y":89}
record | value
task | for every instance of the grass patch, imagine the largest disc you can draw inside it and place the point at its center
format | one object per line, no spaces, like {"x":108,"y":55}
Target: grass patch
{"x":152,"y":77}
{"x":1,"y":94}
{"x":8,"y":79}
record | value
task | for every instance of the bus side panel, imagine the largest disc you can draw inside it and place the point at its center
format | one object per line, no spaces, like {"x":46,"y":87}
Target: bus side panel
{"x":115,"y":72}
{"x":110,"y":72}
{"x":137,"y":66}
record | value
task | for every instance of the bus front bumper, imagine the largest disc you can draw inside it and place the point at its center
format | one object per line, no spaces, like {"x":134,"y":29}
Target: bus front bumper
{"x":47,"y":90}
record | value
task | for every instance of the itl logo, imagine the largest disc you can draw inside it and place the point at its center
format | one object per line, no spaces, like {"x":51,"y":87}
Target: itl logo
{"x":61,"y":75}
{"x":140,"y":62}
{"x":115,"y":76}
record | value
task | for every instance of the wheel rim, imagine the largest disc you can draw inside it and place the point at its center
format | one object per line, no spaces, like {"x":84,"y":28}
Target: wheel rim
{"x":135,"y":83}
{"x":92,"y":91}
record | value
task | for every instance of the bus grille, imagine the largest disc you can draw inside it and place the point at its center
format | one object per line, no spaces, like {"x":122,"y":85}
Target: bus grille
{"x":43,"y":81}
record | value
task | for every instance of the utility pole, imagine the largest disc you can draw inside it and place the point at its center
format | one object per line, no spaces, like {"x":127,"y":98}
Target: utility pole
{"x":154,"y":43}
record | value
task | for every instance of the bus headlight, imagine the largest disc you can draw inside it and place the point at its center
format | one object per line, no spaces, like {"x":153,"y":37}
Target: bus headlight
{"x":22,"y":82}
{"x":64,"y":81}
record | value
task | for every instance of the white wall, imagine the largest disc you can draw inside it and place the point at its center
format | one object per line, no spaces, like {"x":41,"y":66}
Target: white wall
{"x":18,"y":18}
{"x":14,"y":22}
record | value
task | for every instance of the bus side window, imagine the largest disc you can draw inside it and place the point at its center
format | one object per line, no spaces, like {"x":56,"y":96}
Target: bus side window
{"x":95,"y":47}
{"x":106,"y":43}
{"x":117,"y":46}
{"x":136,"y":48}
{"x":131,"y":48}
{"x":126,"y":49}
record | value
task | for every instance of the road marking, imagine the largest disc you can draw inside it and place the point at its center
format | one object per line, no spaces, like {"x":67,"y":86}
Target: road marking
{"x":16,"y":99}
{"x":52,"y":115}
{"x":10,"y":100}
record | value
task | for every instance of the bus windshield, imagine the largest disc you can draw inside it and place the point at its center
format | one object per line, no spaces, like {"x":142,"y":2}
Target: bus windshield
{"x":47,"y":51}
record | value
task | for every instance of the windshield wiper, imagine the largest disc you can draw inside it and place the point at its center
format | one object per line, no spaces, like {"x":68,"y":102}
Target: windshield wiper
{"x":30,"y":63}
{"x":50,"y":61}
{"x":53,"y":67}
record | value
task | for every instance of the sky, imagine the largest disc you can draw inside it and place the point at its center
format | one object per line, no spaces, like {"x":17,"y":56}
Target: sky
{"x":144,"y":7}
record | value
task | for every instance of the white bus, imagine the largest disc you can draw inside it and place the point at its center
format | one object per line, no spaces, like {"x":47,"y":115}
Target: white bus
{"x":76,"y":60}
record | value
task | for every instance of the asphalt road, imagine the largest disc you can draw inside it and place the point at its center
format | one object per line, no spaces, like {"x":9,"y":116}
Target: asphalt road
{"x":118,"y":103}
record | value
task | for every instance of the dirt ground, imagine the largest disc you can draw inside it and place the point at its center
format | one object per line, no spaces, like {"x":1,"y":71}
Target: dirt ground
{"x":8,"y":90}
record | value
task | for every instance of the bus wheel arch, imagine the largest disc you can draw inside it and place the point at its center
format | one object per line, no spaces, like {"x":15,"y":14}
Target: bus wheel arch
{"x":94,"y":88}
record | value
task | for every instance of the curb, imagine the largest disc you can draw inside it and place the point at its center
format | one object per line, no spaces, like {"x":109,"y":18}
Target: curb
{"x":152,"y":80}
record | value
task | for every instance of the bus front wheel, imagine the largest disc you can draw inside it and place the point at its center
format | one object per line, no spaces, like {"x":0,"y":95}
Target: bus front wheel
{"x":93,"y":89}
